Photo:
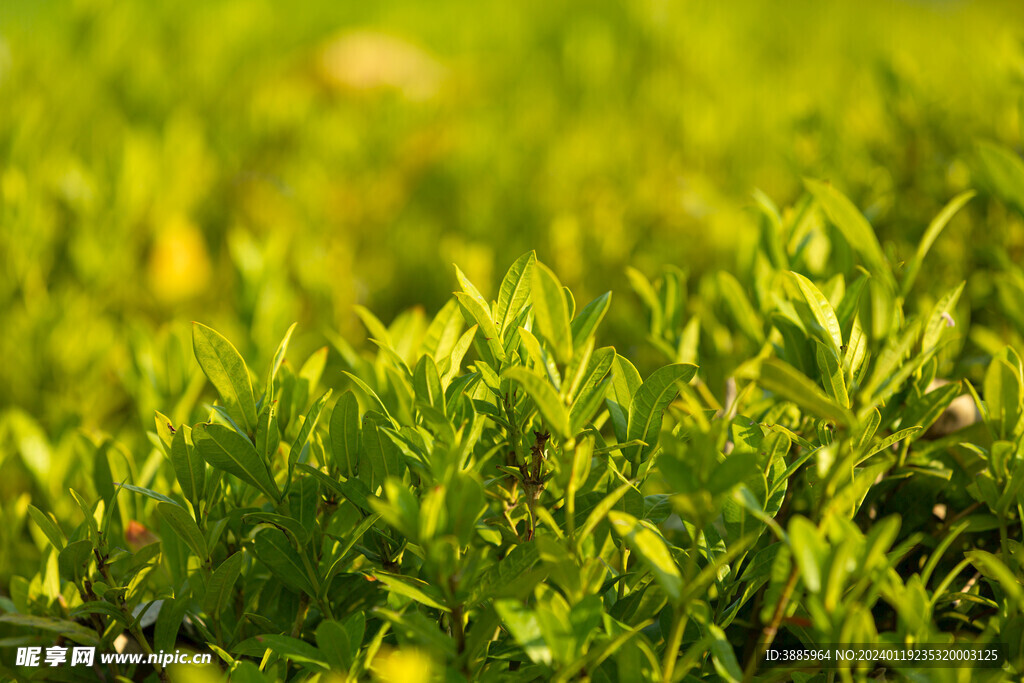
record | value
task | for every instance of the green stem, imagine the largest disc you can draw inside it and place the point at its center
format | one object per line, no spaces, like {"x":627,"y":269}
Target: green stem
{"x":625,"y":560}
{"x":672,"y":645}
{"x":133,"y":625}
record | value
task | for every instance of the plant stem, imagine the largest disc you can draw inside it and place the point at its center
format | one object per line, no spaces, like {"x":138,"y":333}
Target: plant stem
{"x":625,"y":560}
{"x":458,"y":631}
{"x":300,"y":616}
{"x":768,"y":634}
{"x":133,"y":624}
{"x":675,"y":640}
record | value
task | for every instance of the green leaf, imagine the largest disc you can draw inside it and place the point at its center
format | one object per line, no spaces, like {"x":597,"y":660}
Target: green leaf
{"x":649,"y":545}
{"x":848,"y":307}
{"x":736,"y":469}
{"x":514,"y":291}
{"x":420,"y":591}
{"x":378,"y":330}
{"x":855,"y":228}
{"x":268,"y":432}
{"x":426,"y":382}
{"x":189,"y":468}
{"x":338,"y":644}
{"x":149,"y":493}
{"x":941,"y":318}
{"x":889,"y":441}
{"x":601,"y":510}
{"x":186,"y":528}
{"x":551,"y":311}
{"x":809,"y":551}
{"x":382,"y":455}
{"x":625,"y":381}
{"x":789,"y":383}
{"x":292,"y":528}
{"x":584,"y":618}
{"x":993,"y":569}
{"x":827,"y":323}
{"x":88,"y":511}
{"x":353,"y":490}
{"x":924,"y":411}
{"x":522,"y":623}
{"x":738,"y":305}
{"x":643,"y":288}
{"x":400,"y":510}
{"x":724,"y":657}
{"x":285,"y":646}
{"x":222,"y":582}
{"x":1002,"y":173}
{"x":648,"y":407}
{"x":47,"y":523}
{"x":479,"y":311}
{"x":226,"y":370}
{"x":73,"y":560}
{"x":545,"y":398}
{"x":584,"y":324}
{"x":347,"y":543}
{"x":452,"y":364}
{"x":274,"y":550}
{"x":67,"y":629}
{"x":225,"y":449}
{"x":831,"y":374}
{"x":370,"y":395}
{"x":100,"y":607}
{"x":344,"y":433}
{"x":592,"y":390}
{"x":308,"y":425}
{"x":279,"y":355}
{"x":1003,"y":395}
{"x":168,"y":622}
{"x":164,"y":430}
{"x":443,"y":331}
{"x":935,"y":228}
{"x":541,"y":359}
{"x":891,"y":367}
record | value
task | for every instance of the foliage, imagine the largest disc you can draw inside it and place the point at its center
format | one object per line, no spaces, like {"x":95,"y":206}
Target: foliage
{"x":814,"y":434}
{"x":495,"y":495}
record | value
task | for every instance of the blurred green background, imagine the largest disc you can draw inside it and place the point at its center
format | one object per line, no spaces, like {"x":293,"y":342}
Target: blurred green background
{"x":248,"y":164}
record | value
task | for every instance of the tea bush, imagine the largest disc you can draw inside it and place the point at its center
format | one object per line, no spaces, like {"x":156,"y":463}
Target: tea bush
{"x":495,"y":495}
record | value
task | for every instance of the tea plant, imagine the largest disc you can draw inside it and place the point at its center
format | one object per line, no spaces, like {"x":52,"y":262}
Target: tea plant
{"x":497,"y":496}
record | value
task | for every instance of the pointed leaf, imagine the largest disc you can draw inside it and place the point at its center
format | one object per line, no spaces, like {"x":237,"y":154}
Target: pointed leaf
{"x":226,"y":370}
{"x":544,"y":397}
{"x":188,"y":467}
{"x":551,"y":311}
{"x":855,"y":228}
{"x":789,"y":383}
{"x":821,"y":309}
{"x":221,"y":583}
{"x":646,"y":542}
{"x":514,"y":291}
{"x":935,"y":228}
{"x":344,"y":432}
{"x":274,"y":550}
{"x":420,"y":591}
{"x":584,"y":324}
{"x":225,"y":449}
{"x":185,"y":527}
{"x":648,"y":407}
